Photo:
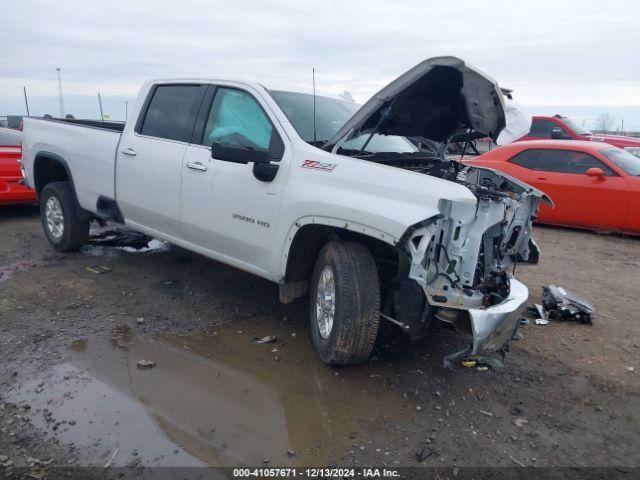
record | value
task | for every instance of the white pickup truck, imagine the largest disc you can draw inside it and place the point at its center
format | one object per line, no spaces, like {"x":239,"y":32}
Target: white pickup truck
{"x":355,"y":206}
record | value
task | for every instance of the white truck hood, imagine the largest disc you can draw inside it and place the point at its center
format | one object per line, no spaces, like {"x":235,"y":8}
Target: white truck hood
{"x":431,"y":101}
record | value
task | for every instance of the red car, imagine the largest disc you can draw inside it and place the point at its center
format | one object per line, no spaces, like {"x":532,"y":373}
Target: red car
{"x":592,"y":184}
{"x":563,"y":128}
{"x":11,"y":190}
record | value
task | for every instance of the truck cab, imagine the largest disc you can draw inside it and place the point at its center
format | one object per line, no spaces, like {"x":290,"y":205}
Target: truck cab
{"x":559,"y":127}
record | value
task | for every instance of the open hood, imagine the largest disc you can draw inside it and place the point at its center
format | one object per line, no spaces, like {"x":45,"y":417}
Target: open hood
{"x":431,"y":101}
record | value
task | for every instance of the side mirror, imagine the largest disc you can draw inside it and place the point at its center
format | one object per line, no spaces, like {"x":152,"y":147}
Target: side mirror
{"x":558,"y":134}
{"x":595,"y":172}
{"x":239,"y":154}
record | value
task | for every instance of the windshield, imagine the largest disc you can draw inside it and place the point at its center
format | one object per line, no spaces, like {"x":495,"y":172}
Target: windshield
{"x":378,"y":144}
{"x":575,"y":127}
{"x":627,"y":162}
{"x":331,"y":114}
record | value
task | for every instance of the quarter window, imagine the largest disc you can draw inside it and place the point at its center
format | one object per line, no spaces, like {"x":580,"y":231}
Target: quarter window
{"x":172,"y":112}
{"x":568,"y":161}
{"x":526,"y":159}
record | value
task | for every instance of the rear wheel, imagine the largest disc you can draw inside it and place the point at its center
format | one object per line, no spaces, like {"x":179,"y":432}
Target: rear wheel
{"x":62,"y":220}
{"x":344,"y":303}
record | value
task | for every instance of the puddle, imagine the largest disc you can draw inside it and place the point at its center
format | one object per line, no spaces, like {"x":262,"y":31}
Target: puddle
{"x":104,"y":242}
{"x":217,"y":399}
{"x":78,"y":408}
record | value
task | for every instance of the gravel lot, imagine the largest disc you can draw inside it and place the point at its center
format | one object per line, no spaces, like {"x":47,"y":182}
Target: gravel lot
{"x":71,"y":392}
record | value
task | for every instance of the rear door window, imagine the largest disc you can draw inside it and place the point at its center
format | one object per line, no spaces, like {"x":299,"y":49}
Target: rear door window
{"x":568,"y":161}
{"x":172,"y":112}
{"x":542,"y":128}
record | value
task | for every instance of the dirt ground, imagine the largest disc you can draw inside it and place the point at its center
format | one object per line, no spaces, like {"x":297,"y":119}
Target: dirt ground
{"x":71,"y":392}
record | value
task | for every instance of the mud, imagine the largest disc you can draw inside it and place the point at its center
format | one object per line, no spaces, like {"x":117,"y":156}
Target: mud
{"x":71,"y":340}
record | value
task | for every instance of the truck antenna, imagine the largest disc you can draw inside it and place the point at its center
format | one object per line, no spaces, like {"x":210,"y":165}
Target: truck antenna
{"x":315,"y":135}
{"x":26,"y":100}
{"x":100,"y":104}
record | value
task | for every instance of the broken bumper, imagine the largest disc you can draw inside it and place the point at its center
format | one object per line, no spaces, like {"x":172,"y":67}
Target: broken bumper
{"x":494,"y":327}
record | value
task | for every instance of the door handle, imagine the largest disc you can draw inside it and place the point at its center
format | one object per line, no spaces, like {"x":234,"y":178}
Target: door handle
{"x":129,"y":151}
{"x":197,"y":166}
{"x":542,"y":178}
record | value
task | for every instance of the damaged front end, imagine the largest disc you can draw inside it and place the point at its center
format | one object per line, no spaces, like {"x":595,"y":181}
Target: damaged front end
{"x":464,"y":258}
{"x":457,"y":266}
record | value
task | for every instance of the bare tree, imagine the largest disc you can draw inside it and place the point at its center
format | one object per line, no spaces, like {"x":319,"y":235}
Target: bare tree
{"x":604,"y":122}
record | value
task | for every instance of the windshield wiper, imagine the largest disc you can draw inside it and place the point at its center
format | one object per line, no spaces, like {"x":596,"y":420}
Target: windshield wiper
{"x":353,"y":153}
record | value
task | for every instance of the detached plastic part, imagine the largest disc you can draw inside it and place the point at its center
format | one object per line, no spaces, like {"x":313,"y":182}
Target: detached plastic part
{"x":564,"y":305}
{"x":542,"y":315}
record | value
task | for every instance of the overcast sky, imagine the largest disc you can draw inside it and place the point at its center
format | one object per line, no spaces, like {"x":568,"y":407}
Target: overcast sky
{"x":552,"y":53}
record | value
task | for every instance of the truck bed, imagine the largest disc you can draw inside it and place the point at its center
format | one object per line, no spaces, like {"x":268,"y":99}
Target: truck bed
{"x":88,"y":147}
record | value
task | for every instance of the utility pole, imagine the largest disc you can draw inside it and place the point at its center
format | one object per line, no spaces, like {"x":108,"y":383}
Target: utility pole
{"x":60,"y":93}
{"x":126,"y":110}
{"x":26,"y":101}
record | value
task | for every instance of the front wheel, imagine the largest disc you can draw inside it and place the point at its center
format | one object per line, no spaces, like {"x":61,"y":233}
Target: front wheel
{"x":62,"y":219}
{"x":344,"y":303}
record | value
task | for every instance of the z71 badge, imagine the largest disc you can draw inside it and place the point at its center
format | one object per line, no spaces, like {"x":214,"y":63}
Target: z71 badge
{"x":314,"y":164}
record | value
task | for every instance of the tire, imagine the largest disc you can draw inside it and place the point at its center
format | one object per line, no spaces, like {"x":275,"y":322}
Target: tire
{"x":64,"y":226}
{"x":351,"y":335}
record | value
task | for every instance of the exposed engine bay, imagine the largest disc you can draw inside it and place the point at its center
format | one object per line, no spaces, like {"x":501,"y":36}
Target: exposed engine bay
{"x":470,"y":250}
{"x":464,"y":258}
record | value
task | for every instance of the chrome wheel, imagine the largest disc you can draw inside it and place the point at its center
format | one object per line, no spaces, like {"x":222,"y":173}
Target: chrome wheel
{"x":54,"y":217}
{"x":326,"y":302}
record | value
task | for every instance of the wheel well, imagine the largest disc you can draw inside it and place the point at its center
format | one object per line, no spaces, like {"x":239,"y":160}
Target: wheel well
{"x":308,"y":241}
{"x":48,"y":169}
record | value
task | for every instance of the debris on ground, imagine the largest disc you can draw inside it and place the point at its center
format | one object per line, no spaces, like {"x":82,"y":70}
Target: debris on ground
{"x":140,"y":320}
{"x":520,"y":422}
{"x":145,"y":364}
{"x":516,"y":461}
{"x":425,"y":453}
{"x":561,"y":304}
{"x":112,"y":458}
{"x":542,"y":315}
{"x":463,"y":356}
{"x":263,"y":340}
{"x":126,"y":240}
{"x":98,"y":269}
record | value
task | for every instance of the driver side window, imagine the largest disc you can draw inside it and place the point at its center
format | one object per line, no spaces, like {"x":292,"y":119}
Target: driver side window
{"x":569,"y":161}
{"x":236,"y":118}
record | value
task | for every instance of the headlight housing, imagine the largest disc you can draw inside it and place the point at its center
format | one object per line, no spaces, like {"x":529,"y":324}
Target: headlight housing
{"x":633,"y":151}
